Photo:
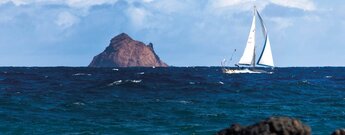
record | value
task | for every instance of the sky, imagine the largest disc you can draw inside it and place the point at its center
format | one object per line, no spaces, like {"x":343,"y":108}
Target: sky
{"x":183,"y":32}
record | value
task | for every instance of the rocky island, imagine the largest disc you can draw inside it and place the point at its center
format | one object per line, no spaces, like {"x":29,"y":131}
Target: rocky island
{"x":273,"y":126}
{"x":123,"y":51}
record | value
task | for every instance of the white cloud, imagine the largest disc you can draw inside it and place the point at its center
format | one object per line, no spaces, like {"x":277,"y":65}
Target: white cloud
{"x":66,"y":20}
{"x":172,"y":6}
{"x":143,"y":13}
{"x":70,"y":3}
{"x":227,"y":3}
{"x":88,"y":3}
{"x":138,"y":16}
{"x":67,"y":17}
{"x":15,"y":2}
{"x":281,"y":23}
{"x":300,"y":4}
{"x":244,"y":4}
{"x":233,"y":6}
{"x":148,"y":1}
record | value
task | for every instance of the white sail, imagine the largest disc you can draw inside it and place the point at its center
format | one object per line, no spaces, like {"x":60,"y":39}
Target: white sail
{"x":265,"y":58}
{"x":248,"y":57}
{"x":263,"y":27}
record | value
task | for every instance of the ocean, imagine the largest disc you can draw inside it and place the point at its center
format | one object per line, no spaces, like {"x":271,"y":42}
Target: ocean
{"x":164,"y":101}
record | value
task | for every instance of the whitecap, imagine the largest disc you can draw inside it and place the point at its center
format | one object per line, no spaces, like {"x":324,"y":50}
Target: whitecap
{"x":179,"y":101}
{"x":115,"y":69}
{"x":328,"y":76}
{"x":191,"y":83}
{"x":220,"y":82}
{"x":135,"y":81}
{"x":81,"y":74}
{"x":115,"y":83}
{"x":306,"y":82}
{"x":185,"y":102}
{"x":79,"y":103}
{"x":141,"y":73}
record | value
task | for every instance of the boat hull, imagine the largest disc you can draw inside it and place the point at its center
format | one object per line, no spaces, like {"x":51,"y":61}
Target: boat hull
{"x":245,"y":71}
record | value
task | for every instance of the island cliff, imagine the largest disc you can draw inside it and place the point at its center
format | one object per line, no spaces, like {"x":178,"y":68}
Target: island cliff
{"x":123,"y":51}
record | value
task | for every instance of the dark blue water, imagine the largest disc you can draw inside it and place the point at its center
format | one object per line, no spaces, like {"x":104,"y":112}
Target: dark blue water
{"x":165,"y":100}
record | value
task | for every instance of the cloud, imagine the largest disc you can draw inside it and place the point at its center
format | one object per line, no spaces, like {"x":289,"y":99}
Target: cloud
{"x":66,"y":20}
{"x":138,"y":17}
{"x":68,"y":13}
{"x":15,"y":2}
{"x":307,"y":5}
{"x":148,"y":1}
{"x":299,"y":4}
{"x":140,"y":12}
{"x":227,"y":3}
{"x":281,"y":23}
{"x":88,"y":3}
{"x":71,"y":3}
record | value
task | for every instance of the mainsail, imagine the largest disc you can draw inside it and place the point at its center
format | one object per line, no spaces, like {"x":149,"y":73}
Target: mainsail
{"x":248,"y":57}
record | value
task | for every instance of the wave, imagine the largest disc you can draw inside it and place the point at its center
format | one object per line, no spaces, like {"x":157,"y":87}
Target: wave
{"x":135,"y":81}
{"x":173,"y":101}
{"x":185,"y":102}
{"x":79,"y":103}
{"x":166,"y":98}
{"x":82,"y":74}
{"x":119,"y":82}
{"x":328,"y":76}
{"x":141,"y":73}
{"x":115,"y":83}
{"x":192,"y":83}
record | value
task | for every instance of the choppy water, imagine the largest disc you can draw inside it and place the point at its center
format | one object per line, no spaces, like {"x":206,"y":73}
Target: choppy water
{"x":165,"y":100}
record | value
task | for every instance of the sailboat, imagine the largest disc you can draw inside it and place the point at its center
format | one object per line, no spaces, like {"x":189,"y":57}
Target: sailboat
{"x":249,"y":56}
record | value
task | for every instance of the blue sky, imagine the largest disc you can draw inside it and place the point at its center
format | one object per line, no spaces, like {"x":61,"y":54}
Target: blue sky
{"x":183,"y":32}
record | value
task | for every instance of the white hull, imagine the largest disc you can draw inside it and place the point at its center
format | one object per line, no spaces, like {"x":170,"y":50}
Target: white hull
{"x":244,"y":71}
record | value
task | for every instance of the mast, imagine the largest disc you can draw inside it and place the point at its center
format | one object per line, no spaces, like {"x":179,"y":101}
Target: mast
{"x":254,"y":55}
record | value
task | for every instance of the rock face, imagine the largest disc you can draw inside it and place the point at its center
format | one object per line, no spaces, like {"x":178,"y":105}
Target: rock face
{"x":339,"y":132}
{"x":271,"y":126}
{"x":123,"y":51}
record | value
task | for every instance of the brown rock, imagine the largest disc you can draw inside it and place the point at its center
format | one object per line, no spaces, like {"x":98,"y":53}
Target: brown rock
{"x":271,"y":126}
{"x":123,"y":51}
{"x":339,"y":132}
